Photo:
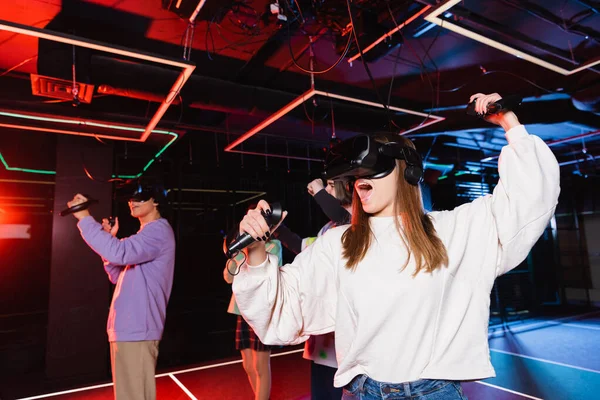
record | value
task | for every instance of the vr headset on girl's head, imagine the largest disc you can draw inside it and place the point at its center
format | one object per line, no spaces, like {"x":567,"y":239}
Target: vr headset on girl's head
{"x":363,"y":157}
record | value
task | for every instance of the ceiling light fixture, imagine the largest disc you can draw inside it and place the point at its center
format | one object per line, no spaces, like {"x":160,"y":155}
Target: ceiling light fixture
{"x":434,"y":18}
{"x":187,"y":68}
{"x":173,"y":135}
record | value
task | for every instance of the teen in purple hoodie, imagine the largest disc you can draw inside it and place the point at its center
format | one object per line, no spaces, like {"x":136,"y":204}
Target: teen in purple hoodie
{"x":142,"y":267}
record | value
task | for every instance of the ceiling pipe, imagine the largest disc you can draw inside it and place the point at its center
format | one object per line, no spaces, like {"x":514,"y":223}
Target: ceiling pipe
{"x":252,"y":110}
{"x":205,"y":85}
{"x":134,"y":94}
{"x":578,"y":160}
{"x":572,"y":138}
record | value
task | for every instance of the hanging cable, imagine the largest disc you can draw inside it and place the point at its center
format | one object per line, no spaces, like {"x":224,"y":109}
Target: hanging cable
{"x":364,"y":63}
{"x":74,"y":88}
{"x":291,"y":50}
{"x":422,"y":64}
{"x":189,"y":41}
{"x":457,"y":88}
{"x":332,"y":121}
{"x":324,"y":71}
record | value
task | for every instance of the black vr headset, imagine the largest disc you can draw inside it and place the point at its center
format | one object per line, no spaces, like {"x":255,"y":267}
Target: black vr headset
{"x":364,"y":157}
{"x":142,"y":193}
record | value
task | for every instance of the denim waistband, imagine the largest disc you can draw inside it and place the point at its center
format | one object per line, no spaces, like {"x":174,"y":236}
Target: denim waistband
{"x":364,"y":384}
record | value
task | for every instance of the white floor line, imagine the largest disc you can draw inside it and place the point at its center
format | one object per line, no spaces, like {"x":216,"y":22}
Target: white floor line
{"x":545,"y":361}
{"x":501,"y":330}
{"x":182,"y":386}
{"x":67,"y":392}
{"x":549,"y":322}
{"x":183,"y":371}
{"x":508,"y":390}
{"x":574,"y":325}
{"x":169,"y":374}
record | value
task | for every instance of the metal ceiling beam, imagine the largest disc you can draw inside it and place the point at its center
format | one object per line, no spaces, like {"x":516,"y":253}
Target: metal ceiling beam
{"x":592,"y":5}
{"x":434,"y":17}
{"x":542,"y":112}
{"x":509,"y":34}
{"x":430,"y":118}
{"x":545,"y":15}
{"x":558,"y":141}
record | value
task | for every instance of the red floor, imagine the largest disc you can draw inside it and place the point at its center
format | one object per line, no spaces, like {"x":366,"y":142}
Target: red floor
{"x":227,"y":380}
{"x":537,"y":359}
{"x":290,"y":377}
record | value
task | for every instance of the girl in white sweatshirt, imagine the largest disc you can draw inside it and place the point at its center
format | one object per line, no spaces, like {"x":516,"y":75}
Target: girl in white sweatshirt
{"x":407,"y":293}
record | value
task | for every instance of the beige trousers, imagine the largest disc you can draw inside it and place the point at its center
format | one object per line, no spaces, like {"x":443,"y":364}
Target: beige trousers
{"x":133,"y":369}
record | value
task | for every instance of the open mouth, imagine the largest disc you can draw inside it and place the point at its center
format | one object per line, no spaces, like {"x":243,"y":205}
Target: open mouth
{"x":364,"y":190}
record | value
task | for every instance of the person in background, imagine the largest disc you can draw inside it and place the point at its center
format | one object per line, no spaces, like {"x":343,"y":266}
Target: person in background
{"x":256,"y":356}
{"x":142,"y":267}
{"x":335,"y":200}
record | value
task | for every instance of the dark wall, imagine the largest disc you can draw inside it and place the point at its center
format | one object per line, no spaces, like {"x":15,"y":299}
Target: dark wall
{"x":79,"y":288}
{"x":577,"y":233}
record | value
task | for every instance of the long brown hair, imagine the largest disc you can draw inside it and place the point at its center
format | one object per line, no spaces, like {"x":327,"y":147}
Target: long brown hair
{"x":414,"y":226}
{"x":343,"y":192}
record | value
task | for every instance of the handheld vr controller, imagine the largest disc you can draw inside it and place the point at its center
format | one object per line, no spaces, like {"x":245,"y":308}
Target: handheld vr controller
{"x":272,"y":216}
{"x":507,"y":103}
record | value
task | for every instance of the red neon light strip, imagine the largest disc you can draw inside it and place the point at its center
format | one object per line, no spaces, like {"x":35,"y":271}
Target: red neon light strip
{"x":188,"y":68}
{"x":431,"y":118}
{"x":76,"y":133}
{"x":50,"y":130}
{"x":431,"y":121}
{"x":172,"y":95}
{"x":90,"y":44}
{"x":286,"y":109}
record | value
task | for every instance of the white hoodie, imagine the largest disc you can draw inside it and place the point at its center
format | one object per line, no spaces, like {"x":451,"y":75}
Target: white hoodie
{"x":391,"y":326}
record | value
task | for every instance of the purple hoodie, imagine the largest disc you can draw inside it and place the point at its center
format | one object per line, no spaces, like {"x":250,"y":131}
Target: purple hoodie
{"x":142,"y":267}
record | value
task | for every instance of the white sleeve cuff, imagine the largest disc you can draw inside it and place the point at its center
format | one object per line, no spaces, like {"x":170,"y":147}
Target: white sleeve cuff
{"x":516,"y":133}
{"x":260,"y":269}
